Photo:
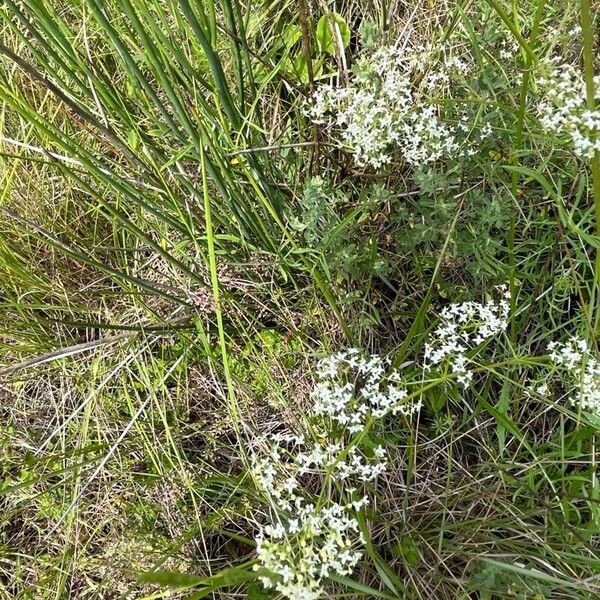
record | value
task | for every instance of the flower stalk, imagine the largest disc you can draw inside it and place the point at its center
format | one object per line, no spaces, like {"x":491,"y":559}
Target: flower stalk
{"x":588,"y":68}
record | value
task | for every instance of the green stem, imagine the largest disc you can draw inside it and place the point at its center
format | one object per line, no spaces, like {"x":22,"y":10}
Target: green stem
{"x":216,"y":290}
{"x":588,"y":67}
{"x":529,"y":62}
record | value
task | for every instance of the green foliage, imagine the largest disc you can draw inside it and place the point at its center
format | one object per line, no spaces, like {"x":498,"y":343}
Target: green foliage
{"x":370,"y":34}
{"x":252,"y":365}
{"x":493,"y":579}
{"x":478,"y":237}
{"x":318,"y":211}
{"x":341,"y":230}
{"x":328,"y":29}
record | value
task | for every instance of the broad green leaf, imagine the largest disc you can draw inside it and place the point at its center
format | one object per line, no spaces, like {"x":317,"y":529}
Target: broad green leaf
{"x":326,"y":38}
{"x":225,"y":578}
{"x":291,"y":35}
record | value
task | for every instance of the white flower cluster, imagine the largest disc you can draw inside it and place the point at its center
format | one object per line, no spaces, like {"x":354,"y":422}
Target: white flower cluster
{"x":508,"y":48}
{"x":352,"y":388}
{"x":563,"y":109}
{"x":576,"y":358}
{"x":383,"y":109}
{"x":308,"y":548}
{"x":309,"y":540}
{"x":462,"y":328}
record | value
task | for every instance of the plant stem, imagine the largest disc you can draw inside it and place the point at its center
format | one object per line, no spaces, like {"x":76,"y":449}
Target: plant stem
{"x":303,"y":15}
{"x":529,"y":61}
{"x":588,"y":67}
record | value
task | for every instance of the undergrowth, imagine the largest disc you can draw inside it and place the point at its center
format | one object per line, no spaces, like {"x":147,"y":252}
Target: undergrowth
{"x":299,"y":299}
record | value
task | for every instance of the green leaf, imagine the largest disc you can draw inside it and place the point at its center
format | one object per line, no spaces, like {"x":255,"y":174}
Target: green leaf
{"x":502,"y":407}
{"x":256,"y":592}
{"x":326,"y":36}
{"x":226,"y":578}
{"x":361,"y":587}
{"x":533,"y":573}
{"x":291,"y":35}
{"x":300,"y":68}
{"x":407,"y":548}
{"x":171,"y":579}
{"x":369,"y":33}
{"x":565,"y":217}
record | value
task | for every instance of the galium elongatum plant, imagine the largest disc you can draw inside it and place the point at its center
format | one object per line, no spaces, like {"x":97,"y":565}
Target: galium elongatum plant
{"x":312,"y":535}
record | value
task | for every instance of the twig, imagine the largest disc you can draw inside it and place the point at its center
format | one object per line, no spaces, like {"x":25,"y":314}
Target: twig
{"x":275,"y":147}
{"x":72,"y":161}
{"x":64,"y":352}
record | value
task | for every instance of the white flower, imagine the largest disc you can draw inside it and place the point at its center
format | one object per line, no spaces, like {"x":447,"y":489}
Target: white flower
{"x":306,"y":540}
{"x":575,"y":31}
{"x":462,"y":328}
{"x":508,"y":48}
{"x":352,"y":387}
{"x":584,"y":368}
{"x":319,"y":542}
{"x":383,"y":109}
{"x":380,"y":452}
{"x":564,"y":112}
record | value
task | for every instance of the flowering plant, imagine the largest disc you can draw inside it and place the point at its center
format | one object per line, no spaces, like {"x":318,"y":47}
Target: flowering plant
{"x":563,"y":109}
{"x":584,"y":371}
{"x":308,"y":538}
{"x":463,"y":327}
{"x":386,"y":107}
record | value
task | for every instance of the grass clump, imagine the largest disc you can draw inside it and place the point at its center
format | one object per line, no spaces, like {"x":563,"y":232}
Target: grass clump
{"x":299,"y":300}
